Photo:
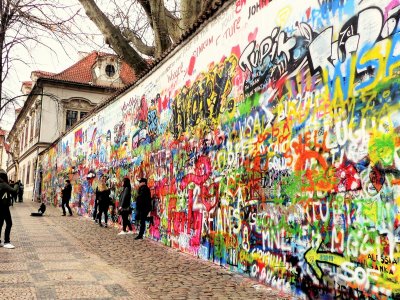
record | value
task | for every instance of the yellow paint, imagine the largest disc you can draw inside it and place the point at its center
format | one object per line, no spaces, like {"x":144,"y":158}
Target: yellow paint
{"x":283,"y":16}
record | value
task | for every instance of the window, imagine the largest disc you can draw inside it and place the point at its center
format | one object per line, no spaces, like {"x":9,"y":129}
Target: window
{"x":37,"y":123}
{"x":28,"y":173}
{"x":82,"y":114}
{"x":110,"y":70}
{"x":22,"y":141}
{"x":74,"y":116}
{"x":33,"y":170}
{"x":26,"y":133}
{"x":22,"y":175}
{"x":32,"y":125}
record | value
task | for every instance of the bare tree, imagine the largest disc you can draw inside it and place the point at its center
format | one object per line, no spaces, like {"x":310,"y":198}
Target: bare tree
{"x":133,"y":37}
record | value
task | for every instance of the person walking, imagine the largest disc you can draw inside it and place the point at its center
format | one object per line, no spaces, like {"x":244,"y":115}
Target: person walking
{"x":6,"y":194}
{"x":103,"y":200}
{"x":143,"y":205}
{"x":66,"y":196}
{"x":125,"y":206}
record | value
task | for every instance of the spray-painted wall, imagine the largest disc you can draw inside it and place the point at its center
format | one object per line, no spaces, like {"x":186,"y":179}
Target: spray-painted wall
{"x":271,"y":141}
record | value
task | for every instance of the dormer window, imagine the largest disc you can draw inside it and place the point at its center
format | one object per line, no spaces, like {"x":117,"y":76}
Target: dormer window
{"x":106,"y":71}
{"x":110,"y":70}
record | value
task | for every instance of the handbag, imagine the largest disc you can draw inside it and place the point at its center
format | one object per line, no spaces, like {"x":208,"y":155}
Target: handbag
{"x":120,"y":210}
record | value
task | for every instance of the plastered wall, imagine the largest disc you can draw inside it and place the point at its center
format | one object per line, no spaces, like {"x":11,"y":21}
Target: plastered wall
{"x":271,"y":143}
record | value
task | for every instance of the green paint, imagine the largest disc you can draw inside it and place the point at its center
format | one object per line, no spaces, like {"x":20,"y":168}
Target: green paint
{"x":248,"y":104}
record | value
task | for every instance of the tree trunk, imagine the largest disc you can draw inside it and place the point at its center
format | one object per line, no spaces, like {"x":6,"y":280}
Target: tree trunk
{"x":158,"y":18}
{"x":172,"y":22}
{"x":114,"y":37}
{"x":190,"y":11}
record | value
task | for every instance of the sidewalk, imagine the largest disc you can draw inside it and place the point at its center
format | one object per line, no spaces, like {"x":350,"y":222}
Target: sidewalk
{"x":73,"y":258}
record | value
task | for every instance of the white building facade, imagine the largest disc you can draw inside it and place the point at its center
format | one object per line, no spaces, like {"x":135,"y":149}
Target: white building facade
{"x":54,"y":103}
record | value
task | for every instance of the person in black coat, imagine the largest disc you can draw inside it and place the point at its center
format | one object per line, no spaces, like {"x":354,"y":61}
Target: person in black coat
{"x":103,"y":200}
{"x":66,"y":196}
{"x":125,"y":206}
{"x":20,"y":191}
{"x":143,"y":205}
{"x":6,"y":192}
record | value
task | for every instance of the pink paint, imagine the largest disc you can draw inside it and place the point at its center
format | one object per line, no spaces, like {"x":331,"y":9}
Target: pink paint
{"x":393,"y":4}
{"x":252,"y":35}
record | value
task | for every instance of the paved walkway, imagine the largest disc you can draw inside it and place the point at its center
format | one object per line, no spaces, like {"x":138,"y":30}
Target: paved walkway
{"x":73,"y":258}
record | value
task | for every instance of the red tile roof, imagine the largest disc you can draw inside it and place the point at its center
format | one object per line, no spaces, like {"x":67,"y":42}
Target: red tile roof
{"x":81,"y":72}
{"x":3,"y":132}
{"x":39,"y":73}
{"x":7,"y":147}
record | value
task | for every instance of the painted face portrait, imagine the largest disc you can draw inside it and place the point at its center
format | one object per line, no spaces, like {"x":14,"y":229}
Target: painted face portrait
{"x":357,"y":149}
{"x":381,"y":149}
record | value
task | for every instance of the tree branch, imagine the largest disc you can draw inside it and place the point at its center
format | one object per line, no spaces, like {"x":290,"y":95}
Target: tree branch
{"x":138,"y":43}
{"x":114,"y":36}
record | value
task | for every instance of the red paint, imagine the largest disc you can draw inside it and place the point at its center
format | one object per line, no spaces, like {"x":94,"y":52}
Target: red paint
{"x":252,"y":35}
{"x":308,"y":13}
{"x":236,"y":51}
{"x":191,"y":65}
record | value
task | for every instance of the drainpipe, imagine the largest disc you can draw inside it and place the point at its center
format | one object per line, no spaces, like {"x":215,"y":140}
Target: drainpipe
{"x":41,"y":109}
{"x":37,"y":151}
{"x":37,"y":154}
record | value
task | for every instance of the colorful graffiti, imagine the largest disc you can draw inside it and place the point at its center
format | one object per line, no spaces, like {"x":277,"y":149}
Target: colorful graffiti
{"x":271,"y":142}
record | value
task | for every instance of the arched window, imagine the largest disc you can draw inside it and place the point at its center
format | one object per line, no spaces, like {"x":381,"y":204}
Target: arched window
{"x":32,"y":125}
{"x":23,"y":175}
{"x":22,"y":141}
{"x":28,"y":173}
{"x":26,"y":133}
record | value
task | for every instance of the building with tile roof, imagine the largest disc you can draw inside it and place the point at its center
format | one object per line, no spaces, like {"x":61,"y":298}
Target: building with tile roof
{"x":55,"y":102}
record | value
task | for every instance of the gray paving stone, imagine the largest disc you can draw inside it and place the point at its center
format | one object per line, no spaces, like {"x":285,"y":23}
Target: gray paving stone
{"x":73,"y":258}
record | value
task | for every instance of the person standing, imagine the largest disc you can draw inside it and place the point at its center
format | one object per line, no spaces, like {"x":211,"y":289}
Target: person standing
{"x":125,"y":206}
{"x":20,"y":191}
{"x":66,"y":196}
{"x":95,"y":206}
{"x":103,"y":199}
{"x":13,"y":197}
{"x":6,"y":192}
{"x":143,"y":205}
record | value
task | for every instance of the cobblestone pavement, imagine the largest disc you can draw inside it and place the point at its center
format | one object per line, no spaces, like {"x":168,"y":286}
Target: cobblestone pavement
{"x":73,"y":258}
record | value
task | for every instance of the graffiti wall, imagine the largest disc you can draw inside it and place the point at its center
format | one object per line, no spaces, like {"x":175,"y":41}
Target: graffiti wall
{"x":271,"y":143}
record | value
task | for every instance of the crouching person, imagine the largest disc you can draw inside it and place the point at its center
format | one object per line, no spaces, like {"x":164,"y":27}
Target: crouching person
{"x":40,"y":211}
